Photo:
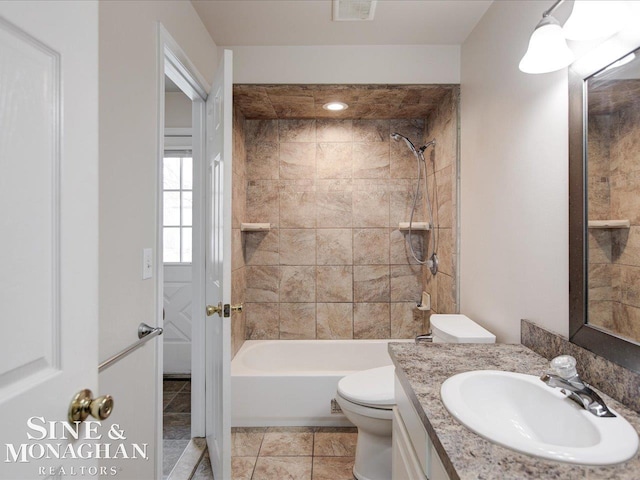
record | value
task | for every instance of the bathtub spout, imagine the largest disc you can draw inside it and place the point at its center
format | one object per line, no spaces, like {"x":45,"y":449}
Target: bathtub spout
{"x":425,"y":337}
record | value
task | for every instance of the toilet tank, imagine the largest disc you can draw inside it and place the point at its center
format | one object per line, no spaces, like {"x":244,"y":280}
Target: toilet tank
{"x":457,"y":328}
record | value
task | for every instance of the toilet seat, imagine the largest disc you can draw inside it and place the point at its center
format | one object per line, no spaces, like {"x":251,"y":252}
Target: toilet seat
{"x":372,"y":388}
{"x":365,"y":410}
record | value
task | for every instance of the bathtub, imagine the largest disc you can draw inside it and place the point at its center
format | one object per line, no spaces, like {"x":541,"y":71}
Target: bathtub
{"x":292,"y":382}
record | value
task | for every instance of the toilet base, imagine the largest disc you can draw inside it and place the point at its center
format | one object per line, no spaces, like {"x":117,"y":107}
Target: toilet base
{"x":373,"y":457}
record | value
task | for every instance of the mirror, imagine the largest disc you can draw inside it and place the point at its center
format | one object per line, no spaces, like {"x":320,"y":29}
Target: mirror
{"x":604,"y":216}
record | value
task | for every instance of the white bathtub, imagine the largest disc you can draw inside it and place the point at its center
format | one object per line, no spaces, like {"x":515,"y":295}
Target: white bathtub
{"x":292,"y":382}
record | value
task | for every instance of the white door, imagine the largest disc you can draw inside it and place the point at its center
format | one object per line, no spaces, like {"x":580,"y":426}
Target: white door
{"x":218,"y":269}
{"x":49,"y":230}
{"x":177,"y":296}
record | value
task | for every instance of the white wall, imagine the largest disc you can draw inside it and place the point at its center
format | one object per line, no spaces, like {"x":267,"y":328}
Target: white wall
{"x":514,"y":174}
{"x":403,"y":64}
{"x":177,"y":108}
{"x":128,"y":119}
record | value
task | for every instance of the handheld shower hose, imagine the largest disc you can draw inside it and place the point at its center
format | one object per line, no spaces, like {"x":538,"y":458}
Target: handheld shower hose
{"x":432,"y":260}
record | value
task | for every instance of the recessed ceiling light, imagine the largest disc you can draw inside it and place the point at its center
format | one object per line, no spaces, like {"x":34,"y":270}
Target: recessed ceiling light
{"x":335,"y":106}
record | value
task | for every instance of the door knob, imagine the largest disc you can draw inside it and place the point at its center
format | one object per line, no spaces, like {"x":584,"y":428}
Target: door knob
{"x":82,"y":405}
{"x":211,"y":309}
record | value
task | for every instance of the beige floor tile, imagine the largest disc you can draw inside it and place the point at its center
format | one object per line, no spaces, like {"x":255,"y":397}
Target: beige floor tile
{"x":287,"y":443}
{"x":283,"y":468}
{"x":242,"y":467}
{"x":333,"y":468}
{"x":335,"y":444}
{"x":245,"y":442}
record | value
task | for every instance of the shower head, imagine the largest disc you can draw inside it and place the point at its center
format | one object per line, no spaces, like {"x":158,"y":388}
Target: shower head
{"x":397,"y":137}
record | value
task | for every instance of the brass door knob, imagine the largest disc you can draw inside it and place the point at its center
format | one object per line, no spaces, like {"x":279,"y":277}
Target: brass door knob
{"x":211,"y":309}
{"x":82,"y":405}
{"x":237,"y":308}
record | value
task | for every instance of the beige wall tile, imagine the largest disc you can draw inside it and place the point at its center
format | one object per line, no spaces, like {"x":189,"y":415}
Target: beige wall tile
{"x":627,"y":322}
{"x":297,"y":160}
{"x":401,"y":204}
{"x":297,"y":321}
{"x":600,"y":246}
{"x":626,"y":246}
{"x":263,"y":203}
{"x":334,"y":160}
{"x":297,"y":209}
{"x":370,"y":246}
{"x":446,"y":294}
{"x":403,"y":163}
{"x":334,"y":321}
{"x":334,"y":209}
{"x":237,"y":247}
{"x":399,"y":251}
{"x":335,"y":283}
{"x":335,"y":246}
{"x":371,"y":283}
{"x":297,"y":247}
{"x":371,"y":160}
{"x":406,"y":320}
{"x":328,"y":130}
{"x":630,"y":285}
{"x":445,"y":198}
{"x":406,"y":283}
{"x":263,"y":321}
{"x":262,"y":248}
{"x":601,"y":313}
{"x":297,"y":130}
{"x":258,"y":131}
{"x":263,"y":160}
{"x":371,"y":208}
{"x":298,"y":284}
{"x":371,"y":320}
{"x":600,"y":281}
{"x":263,"y":283}
{"x":625,"y":201}
{"x":411,"y":128}
{"x":371,"y":131}
{"x":446,"y":245}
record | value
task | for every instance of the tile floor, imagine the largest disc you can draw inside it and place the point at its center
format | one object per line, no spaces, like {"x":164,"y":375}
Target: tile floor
{"x":176,"y":431}
{"x":269,"y":453}
{"x":296,"y":453}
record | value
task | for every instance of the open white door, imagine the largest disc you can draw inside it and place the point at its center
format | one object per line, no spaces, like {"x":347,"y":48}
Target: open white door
{"x":218,"y":269}
{"x":49,"y":241}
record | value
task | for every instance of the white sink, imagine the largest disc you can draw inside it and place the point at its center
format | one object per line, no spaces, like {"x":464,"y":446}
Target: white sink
{"x":520,"y":412}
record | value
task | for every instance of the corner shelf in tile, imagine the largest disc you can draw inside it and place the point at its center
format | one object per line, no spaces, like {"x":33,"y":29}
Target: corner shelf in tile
{"x":609,"y":224}
{"x":255,"y":227}
{"x":404,"y":226}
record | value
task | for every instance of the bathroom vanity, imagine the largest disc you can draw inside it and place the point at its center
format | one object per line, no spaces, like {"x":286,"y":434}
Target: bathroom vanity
{"x":429,"y":443}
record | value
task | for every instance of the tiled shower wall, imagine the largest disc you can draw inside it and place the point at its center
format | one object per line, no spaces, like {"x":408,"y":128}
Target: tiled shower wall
{"x":334,"y":264}
{"x":442,"y":126}
{"x":614,"y":255}
{"x":239,"y":201}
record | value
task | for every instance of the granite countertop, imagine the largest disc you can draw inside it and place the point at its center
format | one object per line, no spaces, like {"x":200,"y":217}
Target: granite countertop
{"x":422,"y":368}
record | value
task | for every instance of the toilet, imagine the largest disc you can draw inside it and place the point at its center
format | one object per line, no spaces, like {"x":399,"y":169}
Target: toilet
{"x":367,"y":398}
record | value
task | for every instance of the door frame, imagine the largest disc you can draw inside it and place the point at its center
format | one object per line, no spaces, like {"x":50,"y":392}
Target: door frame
{"x":173,"y":62}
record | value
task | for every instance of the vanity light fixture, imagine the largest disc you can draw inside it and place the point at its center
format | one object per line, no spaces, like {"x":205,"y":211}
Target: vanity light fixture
{"x":335,"y":106}
{"x":595,"y":19}
{"x":589,"y":20}
{"x":548,"y":50}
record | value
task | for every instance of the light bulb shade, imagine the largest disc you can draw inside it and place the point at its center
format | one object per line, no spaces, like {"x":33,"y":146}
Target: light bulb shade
{"x":594,"y":19}
{"x":548,"y":50}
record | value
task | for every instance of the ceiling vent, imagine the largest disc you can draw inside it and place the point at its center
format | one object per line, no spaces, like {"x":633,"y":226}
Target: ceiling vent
{"x":353,"y":10}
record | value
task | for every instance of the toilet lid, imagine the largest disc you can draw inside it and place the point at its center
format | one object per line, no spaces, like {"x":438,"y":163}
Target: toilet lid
{"x":372,"y":387}
{"x":456,"y":328}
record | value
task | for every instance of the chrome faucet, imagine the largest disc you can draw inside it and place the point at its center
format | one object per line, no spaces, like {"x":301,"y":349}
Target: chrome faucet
{"x":566,"y":378}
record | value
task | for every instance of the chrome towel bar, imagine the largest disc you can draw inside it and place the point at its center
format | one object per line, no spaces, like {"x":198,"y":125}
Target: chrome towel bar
{"x":145,"y":333}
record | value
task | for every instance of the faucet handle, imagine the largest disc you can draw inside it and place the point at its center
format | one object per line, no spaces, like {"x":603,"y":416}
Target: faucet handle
{"x":564,"y":366}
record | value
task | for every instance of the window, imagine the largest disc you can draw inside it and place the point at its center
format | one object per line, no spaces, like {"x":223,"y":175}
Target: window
{"x":177,"y":203}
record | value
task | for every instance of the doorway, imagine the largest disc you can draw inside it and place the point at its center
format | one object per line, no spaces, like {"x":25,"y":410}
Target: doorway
{"x":181,"y":101}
